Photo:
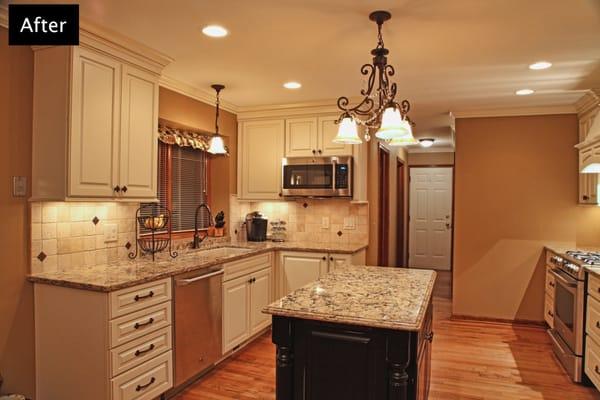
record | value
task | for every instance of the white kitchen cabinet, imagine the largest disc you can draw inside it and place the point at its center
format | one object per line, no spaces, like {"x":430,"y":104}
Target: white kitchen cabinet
{"x":301,"y":138}
{"x":236,"y":318}
{"x":260,"y":297}
{"x":260,"y":151}
{"x":301,"y":268}
{"x":327,"y":132}
{"x":339,"y":260}
{"x":95,"y":119}
{"x":107,"y":343}
{"x":247,"y":289}
{"x":313,"y":136}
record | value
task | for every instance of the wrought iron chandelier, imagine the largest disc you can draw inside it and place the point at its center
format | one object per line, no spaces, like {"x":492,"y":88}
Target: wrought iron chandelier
{"x":378,"y":111}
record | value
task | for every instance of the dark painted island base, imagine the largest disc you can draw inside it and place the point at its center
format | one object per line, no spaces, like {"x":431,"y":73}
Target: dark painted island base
{"x":324,"y":361}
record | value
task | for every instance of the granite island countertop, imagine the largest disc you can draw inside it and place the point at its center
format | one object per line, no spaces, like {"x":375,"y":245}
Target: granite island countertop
{"x":108,"y":278}
{"x":382,"y":297}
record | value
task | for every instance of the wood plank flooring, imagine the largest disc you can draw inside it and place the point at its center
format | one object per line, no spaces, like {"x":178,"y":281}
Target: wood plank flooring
{"x":470,"y":360}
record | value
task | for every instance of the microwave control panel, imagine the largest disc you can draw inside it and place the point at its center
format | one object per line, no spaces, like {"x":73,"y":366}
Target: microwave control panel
{"x":341,"y":176}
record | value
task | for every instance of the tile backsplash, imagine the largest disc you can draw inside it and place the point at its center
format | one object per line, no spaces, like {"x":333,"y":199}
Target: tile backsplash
{"x":72,"y":235}
{"x":304,"y":219}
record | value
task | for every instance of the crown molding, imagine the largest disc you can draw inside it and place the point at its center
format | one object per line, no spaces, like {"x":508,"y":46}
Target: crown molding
{"x":516,"y":112}
{"x":588,"y":102}
{"x":202,"y":95}
{"x":318,"y":107}
{"x":4,"y":16}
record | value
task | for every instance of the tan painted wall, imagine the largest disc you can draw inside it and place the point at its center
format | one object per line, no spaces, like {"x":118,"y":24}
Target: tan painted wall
{"x":445,"y":158}
{"x":373,"y":197}
{"x":516,"y":190}
{"x":16,"y":295}
{"x":186,"y":111}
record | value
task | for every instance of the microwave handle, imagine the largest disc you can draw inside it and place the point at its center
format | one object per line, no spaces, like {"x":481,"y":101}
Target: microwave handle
{"x":334,"y":166}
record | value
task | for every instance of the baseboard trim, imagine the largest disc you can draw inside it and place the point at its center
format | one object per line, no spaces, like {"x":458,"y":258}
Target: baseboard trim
{"x":521,"y":322}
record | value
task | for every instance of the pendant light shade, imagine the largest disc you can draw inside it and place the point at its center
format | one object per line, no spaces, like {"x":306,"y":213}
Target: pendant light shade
{"x":347,"y":132}
{"x":217,"y":145}
{"x":393,"y":125}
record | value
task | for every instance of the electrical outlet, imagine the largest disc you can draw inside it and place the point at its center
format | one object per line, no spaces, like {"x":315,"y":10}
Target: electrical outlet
{"x":349,"y":223}
{"x":325,"y":223}
{"x":110,"y":233}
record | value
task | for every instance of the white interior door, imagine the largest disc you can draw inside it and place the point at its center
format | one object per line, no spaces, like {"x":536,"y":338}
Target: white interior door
{"x":430,"y":223}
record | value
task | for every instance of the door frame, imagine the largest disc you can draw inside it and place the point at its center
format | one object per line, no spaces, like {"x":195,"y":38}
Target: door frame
{"x":401,"y":257}
{"x":410,"y":167}
{"x":383,"y":194}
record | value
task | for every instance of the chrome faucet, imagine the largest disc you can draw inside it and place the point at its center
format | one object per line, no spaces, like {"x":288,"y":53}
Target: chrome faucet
{"x":197,"y":238}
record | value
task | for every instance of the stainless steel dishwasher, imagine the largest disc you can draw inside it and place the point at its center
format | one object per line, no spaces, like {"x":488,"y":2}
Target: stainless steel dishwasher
{"x":198,"y":318}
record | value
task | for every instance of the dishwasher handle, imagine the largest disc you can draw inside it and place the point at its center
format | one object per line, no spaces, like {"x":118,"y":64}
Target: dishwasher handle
{"x":184,"y":282}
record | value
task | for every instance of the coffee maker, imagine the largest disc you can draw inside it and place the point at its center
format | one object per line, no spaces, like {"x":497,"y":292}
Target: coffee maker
{"x":256,"y":227}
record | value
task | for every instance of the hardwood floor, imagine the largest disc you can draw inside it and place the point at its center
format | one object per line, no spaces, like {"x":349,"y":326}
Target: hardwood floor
{"x":470,"y":360}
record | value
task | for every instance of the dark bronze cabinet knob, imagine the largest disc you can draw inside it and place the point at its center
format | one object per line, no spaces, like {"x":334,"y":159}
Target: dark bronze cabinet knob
{"x":314,"y":151}
{"x":124,"y":189}
{"x":117,"y":189}
{"x":330,"y":258}
{"x":324,"y":258}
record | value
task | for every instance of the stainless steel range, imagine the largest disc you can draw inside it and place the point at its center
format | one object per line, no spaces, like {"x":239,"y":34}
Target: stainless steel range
{"x":568,"y":308}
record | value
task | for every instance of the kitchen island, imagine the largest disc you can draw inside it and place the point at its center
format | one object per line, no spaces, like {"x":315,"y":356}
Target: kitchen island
{"x":357,"y":333}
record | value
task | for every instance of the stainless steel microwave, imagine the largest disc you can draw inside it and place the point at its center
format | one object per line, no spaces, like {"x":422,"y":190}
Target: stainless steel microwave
{"x":317,"y":177}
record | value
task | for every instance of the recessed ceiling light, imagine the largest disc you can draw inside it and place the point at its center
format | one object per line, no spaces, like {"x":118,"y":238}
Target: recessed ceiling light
{"x":214,"y":31}
{"x":540,"y":65}
{"x":427,"y":142}
{"x":292,"y":85}
{"x":524,"y":92}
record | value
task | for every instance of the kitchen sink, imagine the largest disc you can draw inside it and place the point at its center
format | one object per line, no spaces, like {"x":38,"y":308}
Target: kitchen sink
{"x":223,"y":252}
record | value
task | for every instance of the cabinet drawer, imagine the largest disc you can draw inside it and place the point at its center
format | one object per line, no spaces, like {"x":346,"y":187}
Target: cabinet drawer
{"x":145,"y":382}
{"x":592,"y":361}
{"x":140,"y":350}
{"x":594,"y":286}
{"x":549,"y":311}
{"x":235,"y":269}
{"x":135,"y":298}
{"x":132,"y":326}
{"x":592,"y":325}
{"x":550,"y":283}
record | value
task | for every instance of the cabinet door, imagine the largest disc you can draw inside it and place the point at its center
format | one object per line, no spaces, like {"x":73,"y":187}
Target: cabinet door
{"x":339,"y":260}
{"x":260,"y":297}
{"x":95,"y":112}
{"x":327,"y":132}
{"x":260,"y":151}
{"x":139,"y":134}
{"x":299,"y":269}
{"x":301,"y":137}
{"x":236,"y":321}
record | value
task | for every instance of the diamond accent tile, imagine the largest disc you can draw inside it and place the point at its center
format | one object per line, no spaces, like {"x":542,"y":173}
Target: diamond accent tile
{"x":127,"y":245}
{"x":340,"y":233}
{"x":42,"y":256}
{"x":96,"y":220}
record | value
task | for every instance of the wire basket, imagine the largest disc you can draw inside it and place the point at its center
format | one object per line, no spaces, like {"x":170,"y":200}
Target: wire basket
{"x":153,"y":227}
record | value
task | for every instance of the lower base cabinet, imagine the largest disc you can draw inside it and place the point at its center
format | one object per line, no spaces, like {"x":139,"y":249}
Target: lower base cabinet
{"x":247,"y":289}
{"x":323,"y":361}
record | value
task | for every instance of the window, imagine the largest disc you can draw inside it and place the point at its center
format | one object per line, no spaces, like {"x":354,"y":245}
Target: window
{"x":183,"y":181}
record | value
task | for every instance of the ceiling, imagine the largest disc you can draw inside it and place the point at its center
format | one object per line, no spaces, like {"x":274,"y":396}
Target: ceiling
{"x":449,"y":55}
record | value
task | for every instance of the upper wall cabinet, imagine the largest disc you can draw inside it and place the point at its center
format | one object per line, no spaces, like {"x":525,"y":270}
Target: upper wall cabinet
{"x":588,"y":111}
{"x":95,"y":123}
{"x":260,"y":150}
{"x":308,"y":137}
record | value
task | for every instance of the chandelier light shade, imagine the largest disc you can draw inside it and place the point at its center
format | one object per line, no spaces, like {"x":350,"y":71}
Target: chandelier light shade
{"x":217,"y":145}
{"x":378,"y":111}
{"x":347,"y":132}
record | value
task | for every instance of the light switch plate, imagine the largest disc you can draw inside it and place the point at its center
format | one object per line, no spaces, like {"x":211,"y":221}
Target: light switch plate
{"x":325,"y":223}
{"x":110,"y":233}
{"x":349,"y":223}
{"x":19,"y":186}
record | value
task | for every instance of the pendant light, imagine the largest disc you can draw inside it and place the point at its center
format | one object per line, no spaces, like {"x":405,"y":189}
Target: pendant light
{"x":347,"y":132}
{"x":217,"y":145}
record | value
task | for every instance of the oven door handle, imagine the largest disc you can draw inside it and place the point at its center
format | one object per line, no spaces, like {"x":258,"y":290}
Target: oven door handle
{"x":564,"y":280}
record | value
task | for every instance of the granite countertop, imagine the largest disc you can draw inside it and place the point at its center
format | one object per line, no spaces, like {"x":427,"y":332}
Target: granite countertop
{"x":382,"y":297}
{"x":113,"y":277}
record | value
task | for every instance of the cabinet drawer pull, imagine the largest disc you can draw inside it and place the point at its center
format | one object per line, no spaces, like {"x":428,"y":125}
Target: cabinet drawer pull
{"x":117,"y":189}
{"x":598,"y":324}
{"x":146,"y":296}
{"x":142,"y":387}
{"x":552,"y":284}
{"x":550,"y":313}
{"x":330,"y":258}
{"x":324,"y":258}
{"x":139,"y":325}
{"x":124,"y":189}
{"x":429,"y":337}
{"x":141,"y":352}
{"x":597,"y":370}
